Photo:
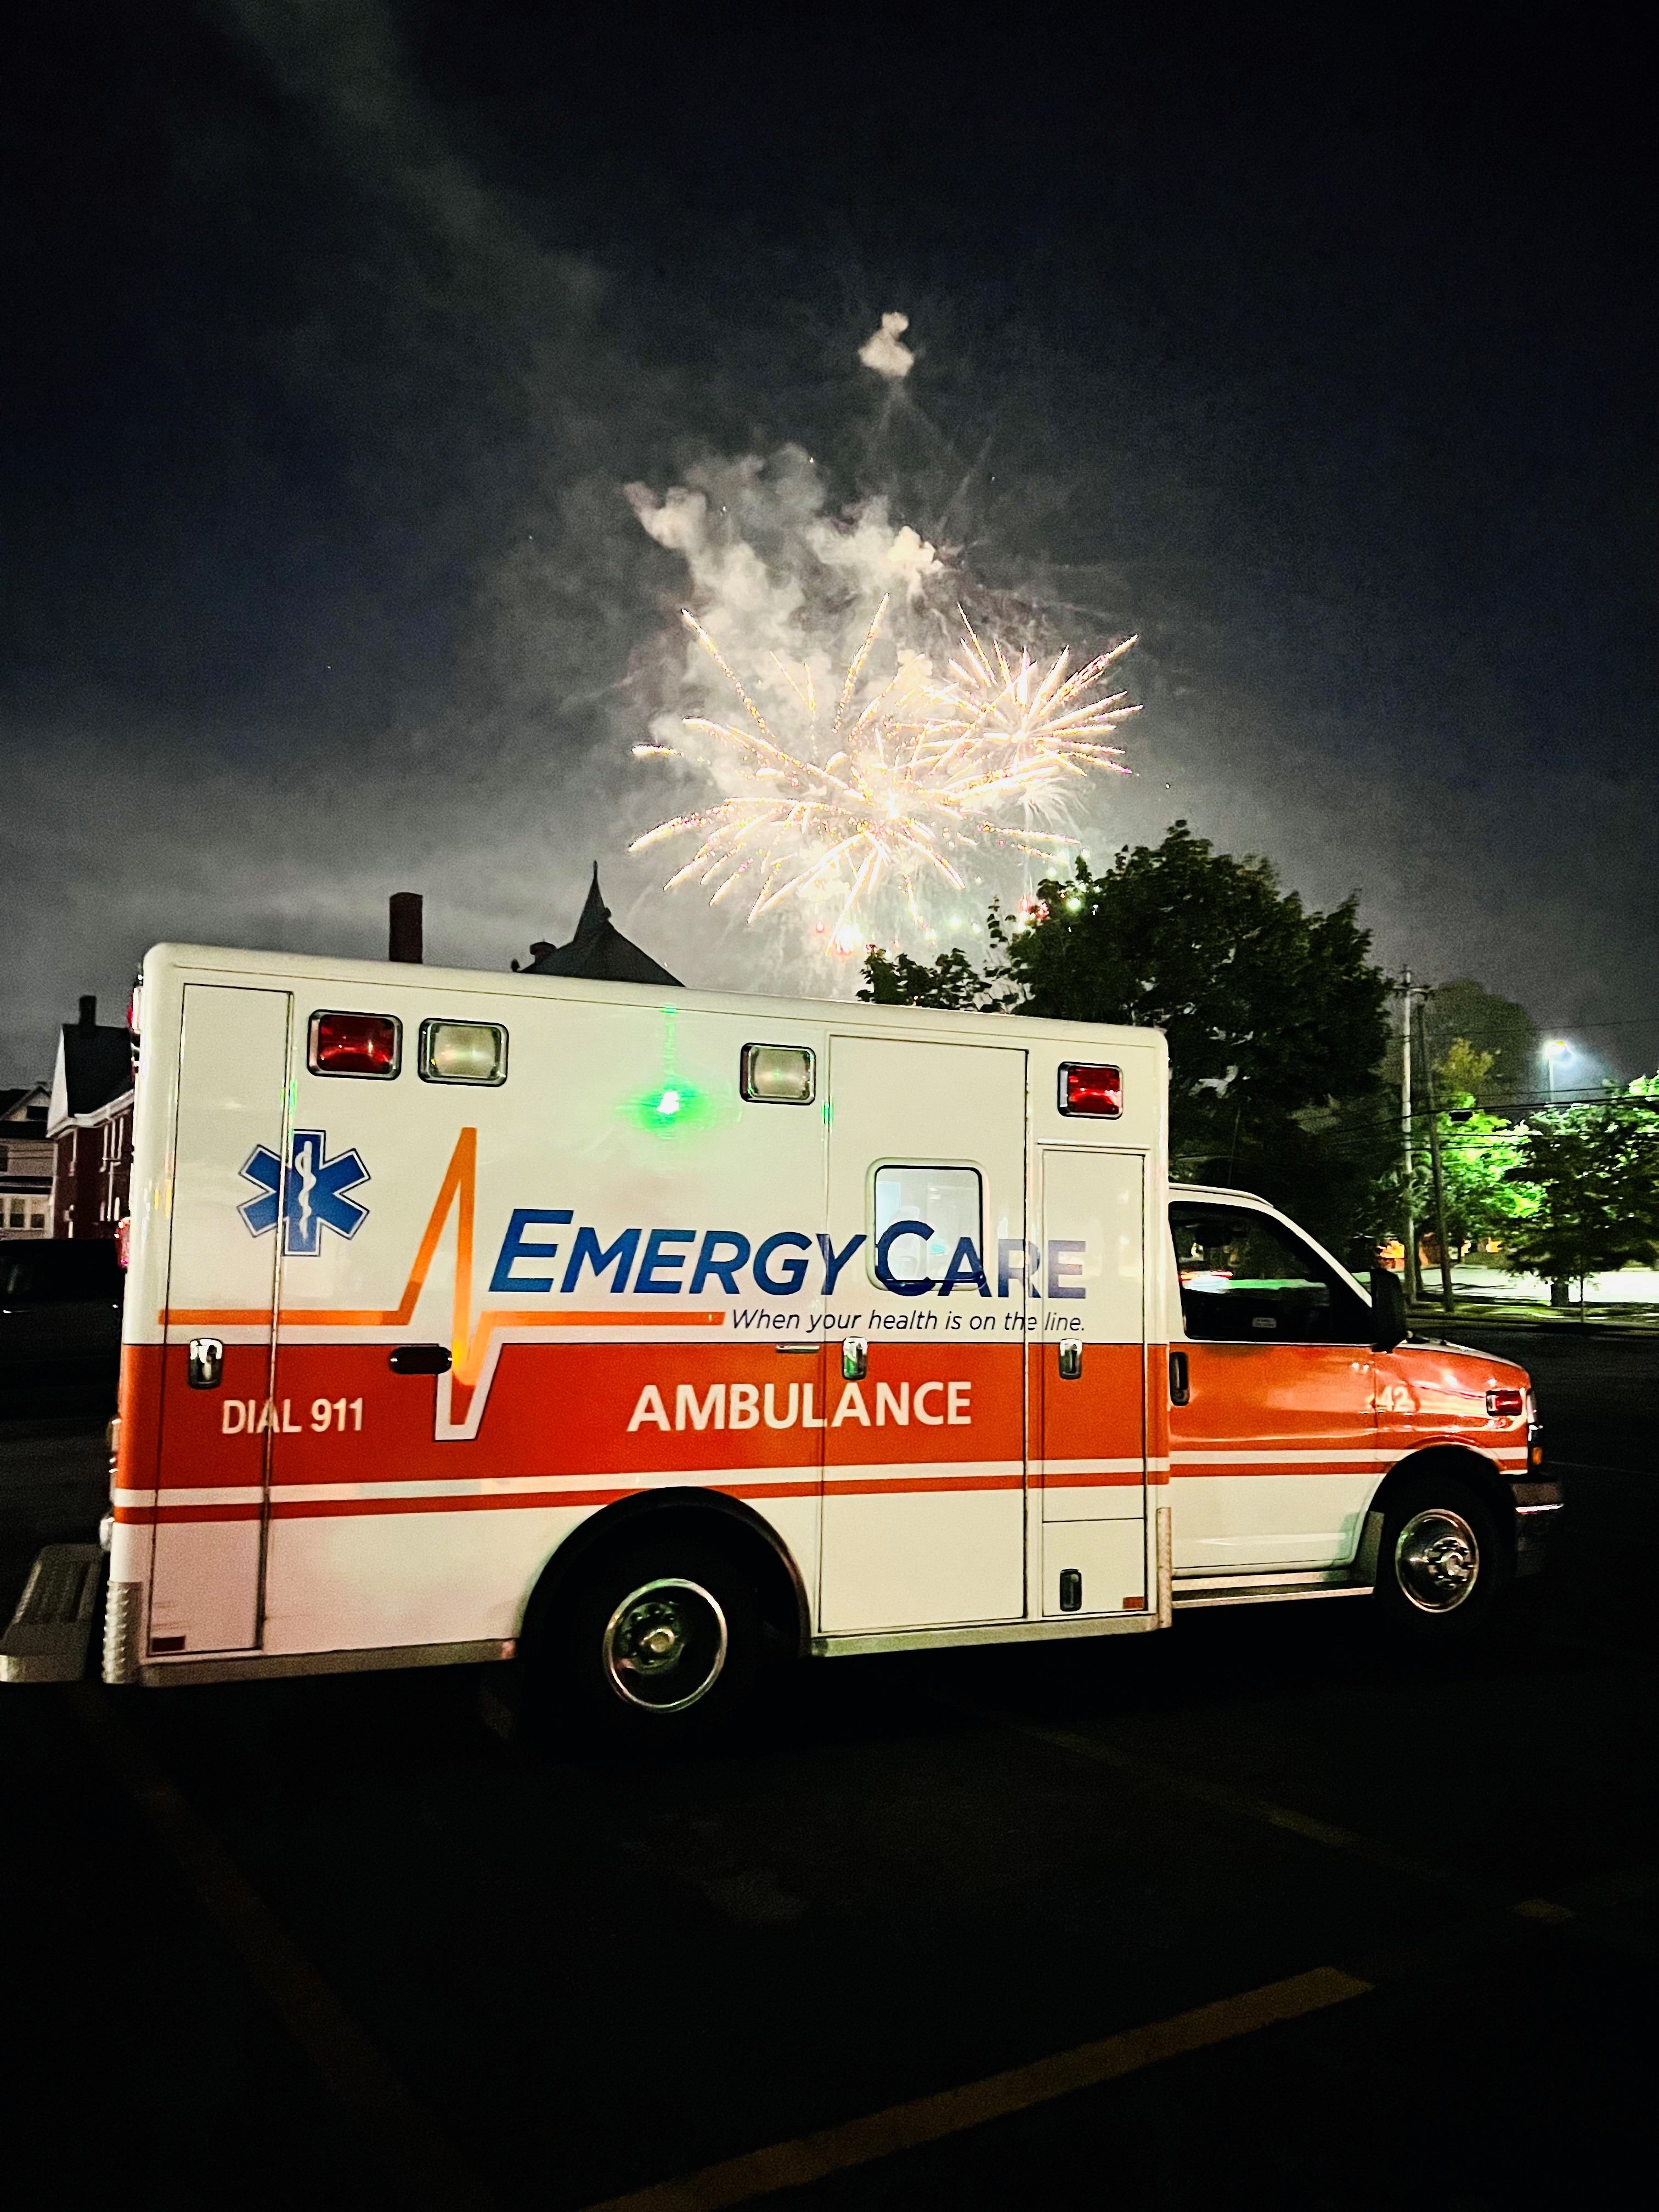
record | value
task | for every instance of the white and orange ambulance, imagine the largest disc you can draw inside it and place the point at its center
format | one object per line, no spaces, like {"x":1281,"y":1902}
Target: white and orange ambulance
{"x":636,"y":1332}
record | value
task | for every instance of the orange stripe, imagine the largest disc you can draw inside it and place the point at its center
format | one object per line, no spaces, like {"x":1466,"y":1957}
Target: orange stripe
{"x":468,"y":1345}
{"x":289,"y":1507}
{"x":1131,"y":1481}
{"x":1304,"y":1467}
{"x":305,"y":1317}
{"x":146,"y":1516}
{"x":871,"y":1489}
{"x":469,"y":1357}
{"x":299,"y":1509}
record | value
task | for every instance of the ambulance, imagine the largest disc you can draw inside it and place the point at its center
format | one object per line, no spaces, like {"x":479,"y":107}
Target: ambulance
{"x":647,"y":1336}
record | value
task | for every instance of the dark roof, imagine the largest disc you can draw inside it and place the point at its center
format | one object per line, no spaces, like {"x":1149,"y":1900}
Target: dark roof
{"x":598,"y":950}
{"x":16,"y":1113}
{"x":97,"y":1066}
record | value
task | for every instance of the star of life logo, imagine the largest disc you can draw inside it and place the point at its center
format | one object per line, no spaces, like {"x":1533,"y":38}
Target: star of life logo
{"x":311,"y":1196}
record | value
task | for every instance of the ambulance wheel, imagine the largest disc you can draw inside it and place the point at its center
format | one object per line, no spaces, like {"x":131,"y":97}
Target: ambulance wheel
{"x":1441,"y":1566}
{"x":662,"y":1644}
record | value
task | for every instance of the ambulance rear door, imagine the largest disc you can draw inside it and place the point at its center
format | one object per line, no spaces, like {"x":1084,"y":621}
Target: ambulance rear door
{"x":223,"y":1275}
{"x":1089,"y":1380}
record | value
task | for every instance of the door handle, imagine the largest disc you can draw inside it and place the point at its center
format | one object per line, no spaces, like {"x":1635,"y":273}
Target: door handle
{"x":206,"y":1370}
{"x":855,"y":1359}
{"x":1071,"y":1361}
{"x":1180,"y":1387}
{"x":419,"y":1359}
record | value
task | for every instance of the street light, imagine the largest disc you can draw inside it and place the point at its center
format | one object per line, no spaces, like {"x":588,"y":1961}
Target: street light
{"x":1557,"y":1049}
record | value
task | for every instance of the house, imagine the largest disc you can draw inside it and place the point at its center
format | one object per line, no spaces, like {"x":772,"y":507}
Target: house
{"x":26,"y":1160}
{"x":597,"y":951}
{"x":89,"y":1119}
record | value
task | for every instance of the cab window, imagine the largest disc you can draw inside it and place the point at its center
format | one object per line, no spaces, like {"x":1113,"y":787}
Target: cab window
{"x":1247,"y":1279}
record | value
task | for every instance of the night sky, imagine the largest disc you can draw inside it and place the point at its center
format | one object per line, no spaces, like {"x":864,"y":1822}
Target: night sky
{"x":335,"y":331}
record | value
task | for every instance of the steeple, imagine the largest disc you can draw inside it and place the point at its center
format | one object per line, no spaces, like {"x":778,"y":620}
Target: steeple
{"x":599,"y":950}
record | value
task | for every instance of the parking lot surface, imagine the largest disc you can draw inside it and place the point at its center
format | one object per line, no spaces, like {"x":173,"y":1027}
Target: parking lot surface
{"x":1265,"y":1907}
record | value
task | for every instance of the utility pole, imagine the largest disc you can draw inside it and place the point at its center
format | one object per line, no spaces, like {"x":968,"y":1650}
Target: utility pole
{"x":1414,"y":1282}
{"x":1434,"y":1158}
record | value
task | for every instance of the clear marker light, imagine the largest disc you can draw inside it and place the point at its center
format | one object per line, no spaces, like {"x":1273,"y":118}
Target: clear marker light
{"x":669,"y":1102}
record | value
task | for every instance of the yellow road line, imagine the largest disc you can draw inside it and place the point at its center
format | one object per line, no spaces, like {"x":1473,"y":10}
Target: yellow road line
{"x":928,"y":2119}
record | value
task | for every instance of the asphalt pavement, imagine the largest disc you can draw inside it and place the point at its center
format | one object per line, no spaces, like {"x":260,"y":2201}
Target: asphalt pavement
{"x":1262,"y":1908}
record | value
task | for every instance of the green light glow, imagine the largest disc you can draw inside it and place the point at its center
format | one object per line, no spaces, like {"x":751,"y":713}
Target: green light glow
{"x":668,"y":1108}
{"x":671,"y":1107}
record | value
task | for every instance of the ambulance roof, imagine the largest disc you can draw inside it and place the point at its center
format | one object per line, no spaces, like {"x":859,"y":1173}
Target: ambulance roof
{"x":361,"y":976}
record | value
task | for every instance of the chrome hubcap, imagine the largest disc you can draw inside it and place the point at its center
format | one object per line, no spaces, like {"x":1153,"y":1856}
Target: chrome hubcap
{"x":1436,"y":1559}
{"x":665,"y":1645}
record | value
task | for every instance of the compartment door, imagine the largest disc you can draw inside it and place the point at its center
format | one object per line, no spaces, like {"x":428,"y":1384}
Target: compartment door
{"x":1089,"y":1409}
{"x":924,"y":1454}
{"x":229,"y":1198}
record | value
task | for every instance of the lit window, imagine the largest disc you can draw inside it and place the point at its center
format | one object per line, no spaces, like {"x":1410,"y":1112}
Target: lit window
{"x":354,"y":1044}
{"x":778,"y":1074}
{"x":463,"y":1051}
{"x":947,"y":1201}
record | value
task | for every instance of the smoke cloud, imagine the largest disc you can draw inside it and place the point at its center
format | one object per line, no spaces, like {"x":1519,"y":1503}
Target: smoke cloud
{"x":811,"y":610}
{"x":883,"y":352}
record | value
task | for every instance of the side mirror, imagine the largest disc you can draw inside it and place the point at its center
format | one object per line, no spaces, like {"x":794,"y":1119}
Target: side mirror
{"x":1389,"y":1323}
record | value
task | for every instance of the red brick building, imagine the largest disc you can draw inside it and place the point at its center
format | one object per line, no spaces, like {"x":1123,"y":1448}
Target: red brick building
{"x":90,"y":1121}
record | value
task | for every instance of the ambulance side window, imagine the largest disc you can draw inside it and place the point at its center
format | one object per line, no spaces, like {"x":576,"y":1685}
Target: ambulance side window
{"x":1246,"y":1279}
{"x":947,"y":1201}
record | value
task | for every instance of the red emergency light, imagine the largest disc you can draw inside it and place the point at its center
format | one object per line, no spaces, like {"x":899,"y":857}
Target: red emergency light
{"x":1506,"y":1401}
{"x":1094,"y":1090}
{"x":354,"y":1044}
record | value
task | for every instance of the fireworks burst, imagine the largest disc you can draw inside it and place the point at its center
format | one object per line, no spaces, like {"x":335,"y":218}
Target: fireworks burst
{"x":867,"y":809}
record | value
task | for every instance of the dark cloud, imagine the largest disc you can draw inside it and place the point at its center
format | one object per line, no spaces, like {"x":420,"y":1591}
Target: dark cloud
{"x":340,"y":328}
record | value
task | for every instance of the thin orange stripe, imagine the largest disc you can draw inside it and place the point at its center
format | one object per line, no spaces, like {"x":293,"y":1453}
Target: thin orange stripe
{"x":289,"y":1507}
{"x":305,"y":1317}
{"x":467,"y":1346}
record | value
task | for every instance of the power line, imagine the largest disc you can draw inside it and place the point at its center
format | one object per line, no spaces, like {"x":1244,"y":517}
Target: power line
{"x":1628,"y":1022}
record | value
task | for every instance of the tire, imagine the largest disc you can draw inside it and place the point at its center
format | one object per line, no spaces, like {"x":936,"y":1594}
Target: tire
{"x":660,"y":1645}
{"x":1443,"y":1566}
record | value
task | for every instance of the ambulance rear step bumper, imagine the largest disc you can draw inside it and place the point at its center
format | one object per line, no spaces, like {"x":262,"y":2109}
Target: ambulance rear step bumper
{"x":1267,"y":1593}
{"x":1193,"y":1592}
{"x":51,"y":1627}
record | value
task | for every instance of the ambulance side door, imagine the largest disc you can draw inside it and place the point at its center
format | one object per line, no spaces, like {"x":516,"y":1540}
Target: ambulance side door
{"x":1273,"y":1456}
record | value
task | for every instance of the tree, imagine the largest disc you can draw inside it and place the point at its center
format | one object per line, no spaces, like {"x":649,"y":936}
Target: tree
{"x":950,"y":982}
{"x":1268,"y":1008}
{"x":1271,"y":1011}
{"x":1465,"y":1013}
{"x":1460,"y":1077}
{"x":1595,"y":1169}
{"x":1483,"y":1201}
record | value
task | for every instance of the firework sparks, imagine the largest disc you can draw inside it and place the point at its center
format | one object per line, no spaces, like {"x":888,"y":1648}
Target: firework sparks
{"x":865,"y":811}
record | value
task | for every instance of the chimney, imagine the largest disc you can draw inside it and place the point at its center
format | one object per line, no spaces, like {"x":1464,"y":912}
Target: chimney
{"x":88,"y":1012}
{"x":405,"y":940}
